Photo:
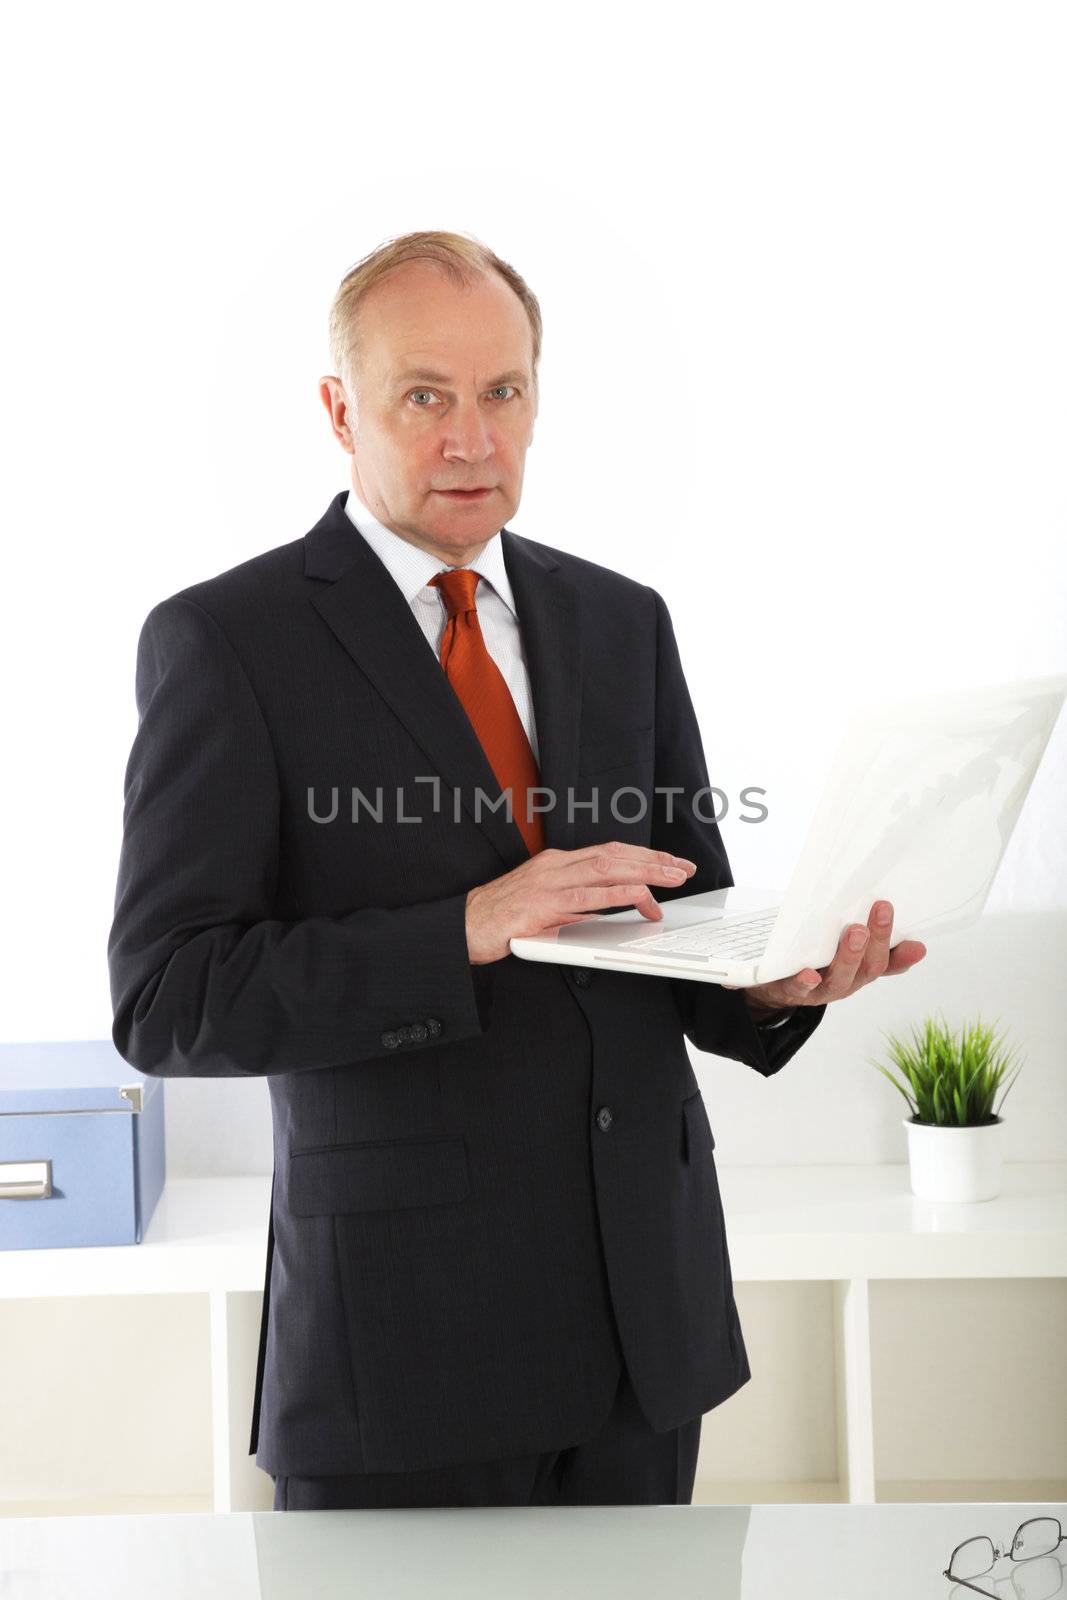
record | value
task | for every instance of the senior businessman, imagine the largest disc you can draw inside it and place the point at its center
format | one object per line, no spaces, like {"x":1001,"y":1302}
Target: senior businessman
{"x":497,"y":1271}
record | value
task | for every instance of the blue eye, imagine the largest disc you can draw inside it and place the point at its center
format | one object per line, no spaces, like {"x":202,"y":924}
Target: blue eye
{"x":501,"y":388}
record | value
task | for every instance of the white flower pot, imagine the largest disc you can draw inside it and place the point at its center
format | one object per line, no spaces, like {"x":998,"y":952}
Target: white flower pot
{"x":954,"y":1163}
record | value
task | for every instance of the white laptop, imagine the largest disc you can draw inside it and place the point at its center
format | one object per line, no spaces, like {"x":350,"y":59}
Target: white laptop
{"x":918,"y":808}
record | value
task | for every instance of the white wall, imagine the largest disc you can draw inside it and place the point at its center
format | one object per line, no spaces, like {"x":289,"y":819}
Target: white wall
{"x":801,"y":275}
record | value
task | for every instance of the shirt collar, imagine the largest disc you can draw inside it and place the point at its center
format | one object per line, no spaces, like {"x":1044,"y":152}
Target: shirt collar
{"x":412,"y":567}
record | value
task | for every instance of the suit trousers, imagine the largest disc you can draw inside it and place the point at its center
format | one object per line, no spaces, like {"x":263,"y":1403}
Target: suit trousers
{"x":624,"y":1463}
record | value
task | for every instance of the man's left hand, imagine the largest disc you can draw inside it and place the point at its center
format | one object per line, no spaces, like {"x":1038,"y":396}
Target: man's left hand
{"x":863,"y":954}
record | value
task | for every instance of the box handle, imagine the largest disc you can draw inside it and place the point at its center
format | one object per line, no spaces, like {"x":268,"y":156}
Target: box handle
{"x":25,"y":1180}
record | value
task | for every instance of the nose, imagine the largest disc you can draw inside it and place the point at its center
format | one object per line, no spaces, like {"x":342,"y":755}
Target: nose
{"x":468,"y":437}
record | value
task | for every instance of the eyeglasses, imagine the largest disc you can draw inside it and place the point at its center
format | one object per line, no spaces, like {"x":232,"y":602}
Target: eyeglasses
{"x":1037,"y":1537}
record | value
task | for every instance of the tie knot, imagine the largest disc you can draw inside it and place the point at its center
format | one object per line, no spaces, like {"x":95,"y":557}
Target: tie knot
{"x":457,"y":584}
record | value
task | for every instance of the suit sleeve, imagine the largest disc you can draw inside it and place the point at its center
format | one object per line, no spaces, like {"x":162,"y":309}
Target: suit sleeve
{"x":715,"y":1019}
{"x":205,"y":982}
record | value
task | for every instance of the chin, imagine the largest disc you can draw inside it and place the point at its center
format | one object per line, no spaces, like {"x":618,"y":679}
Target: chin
{"x":463,"y":528}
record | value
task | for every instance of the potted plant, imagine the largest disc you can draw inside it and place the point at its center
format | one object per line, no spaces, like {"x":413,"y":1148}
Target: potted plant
{"x":954,"y":1148}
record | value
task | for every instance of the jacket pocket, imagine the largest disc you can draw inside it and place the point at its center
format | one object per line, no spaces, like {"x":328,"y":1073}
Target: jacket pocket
{"x":382,"y":1176}
{"x":698,"y":1141}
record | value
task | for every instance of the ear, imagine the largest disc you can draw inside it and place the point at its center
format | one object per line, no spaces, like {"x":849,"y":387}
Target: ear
{"x":334,"y":398}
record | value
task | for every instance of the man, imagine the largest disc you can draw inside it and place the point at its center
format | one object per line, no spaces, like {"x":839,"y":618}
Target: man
{"x":497,"y":1271}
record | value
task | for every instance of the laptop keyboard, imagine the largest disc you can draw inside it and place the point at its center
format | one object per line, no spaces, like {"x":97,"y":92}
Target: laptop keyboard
{"x":742,"y":938}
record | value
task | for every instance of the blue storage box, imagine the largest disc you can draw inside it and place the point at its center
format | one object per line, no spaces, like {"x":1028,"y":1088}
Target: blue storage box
{"x":82,"y":1158}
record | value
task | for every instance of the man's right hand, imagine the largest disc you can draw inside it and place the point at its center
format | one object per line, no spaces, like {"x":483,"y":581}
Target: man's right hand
{"x":560,"y":886}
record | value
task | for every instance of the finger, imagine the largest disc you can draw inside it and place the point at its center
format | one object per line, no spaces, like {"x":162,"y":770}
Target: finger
{"x":599,"y":867}
{"x":905,"y":955}
{"x":796,"y":990}
{"x":802,"y":988}
{"x":840,"y":976}
{"x":650,"y":908}
{"x":640,"y":896}
{"x":876,"y":951}
{"x":619,"y":851}
{"x":586,"y":897}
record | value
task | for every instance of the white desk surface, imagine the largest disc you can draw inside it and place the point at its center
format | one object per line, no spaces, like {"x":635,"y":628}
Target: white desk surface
{"x":809,"y":1552}
{"x":783,"y":1223}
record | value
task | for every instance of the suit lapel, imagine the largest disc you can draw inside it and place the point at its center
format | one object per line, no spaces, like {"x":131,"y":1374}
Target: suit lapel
{"x":369,"y":615}
{"x":549,"y":611}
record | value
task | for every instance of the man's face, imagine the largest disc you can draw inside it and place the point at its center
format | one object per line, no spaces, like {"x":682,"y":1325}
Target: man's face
{"x":444,"y":401}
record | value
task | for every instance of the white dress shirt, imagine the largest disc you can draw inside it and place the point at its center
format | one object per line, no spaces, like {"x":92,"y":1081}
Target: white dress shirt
{"x":412,"y":568}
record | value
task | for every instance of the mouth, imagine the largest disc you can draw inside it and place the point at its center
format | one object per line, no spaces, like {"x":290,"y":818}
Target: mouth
{"x":464,"y":494}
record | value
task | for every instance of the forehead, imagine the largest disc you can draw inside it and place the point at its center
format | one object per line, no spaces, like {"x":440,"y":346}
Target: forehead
{"x":422,"y":327}
{"x":425,"y":374}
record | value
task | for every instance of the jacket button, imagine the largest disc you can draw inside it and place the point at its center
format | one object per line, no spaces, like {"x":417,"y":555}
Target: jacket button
{"x":390,"y":1039}
{"x":604,"y":1119}
{"x":433,"y":1027}
{"x":581,"y":977}
{"x":419,"y":1030}
{"x":404,"y":1034}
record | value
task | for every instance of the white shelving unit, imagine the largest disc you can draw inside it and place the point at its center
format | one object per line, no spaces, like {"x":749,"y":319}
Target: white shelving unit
{"x":846,"y":1226}
{"x":853,"y":1226}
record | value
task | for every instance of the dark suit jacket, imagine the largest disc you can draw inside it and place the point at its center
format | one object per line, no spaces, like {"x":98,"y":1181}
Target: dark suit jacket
{"x":464,"y":1244}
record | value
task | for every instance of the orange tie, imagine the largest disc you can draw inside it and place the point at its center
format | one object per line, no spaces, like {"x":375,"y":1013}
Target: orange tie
{"x":486,"y":698}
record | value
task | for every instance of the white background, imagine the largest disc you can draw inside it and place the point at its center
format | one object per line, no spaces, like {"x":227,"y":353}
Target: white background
{"x":802,"y":274}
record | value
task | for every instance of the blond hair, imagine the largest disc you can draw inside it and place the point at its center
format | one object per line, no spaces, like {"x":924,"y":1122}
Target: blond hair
{"x":462,"y":258}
